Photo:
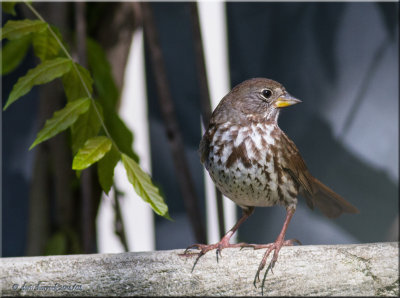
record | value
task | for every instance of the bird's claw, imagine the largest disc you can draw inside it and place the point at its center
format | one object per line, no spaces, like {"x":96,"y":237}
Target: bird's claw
{"x":197,"y":246}
{"x":276,"y":246}
{"x":295,"y":240}
{"x":204,"y":248}
{"x":218,"y":252}
{"x":197,"y":259}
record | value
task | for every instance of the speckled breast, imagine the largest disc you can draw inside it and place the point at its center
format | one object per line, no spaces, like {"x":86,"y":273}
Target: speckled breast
{"x":244,"y":164}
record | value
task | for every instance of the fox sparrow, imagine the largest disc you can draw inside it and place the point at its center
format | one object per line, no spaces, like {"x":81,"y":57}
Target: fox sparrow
{"x":254,"y":163}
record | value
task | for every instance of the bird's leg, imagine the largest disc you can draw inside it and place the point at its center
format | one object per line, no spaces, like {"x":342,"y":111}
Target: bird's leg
{"x":276,"y":246}
{"x":224,"y":242}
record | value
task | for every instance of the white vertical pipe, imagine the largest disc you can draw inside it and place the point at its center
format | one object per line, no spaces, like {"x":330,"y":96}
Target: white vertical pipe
{"x":214,"y":34}
{"x":137,"y":215}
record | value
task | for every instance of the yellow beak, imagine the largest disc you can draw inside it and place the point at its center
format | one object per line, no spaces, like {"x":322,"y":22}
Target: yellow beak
{"x":286,"y":100}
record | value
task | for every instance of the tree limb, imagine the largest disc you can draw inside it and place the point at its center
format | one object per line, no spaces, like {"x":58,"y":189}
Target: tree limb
{"x":324,"y":270}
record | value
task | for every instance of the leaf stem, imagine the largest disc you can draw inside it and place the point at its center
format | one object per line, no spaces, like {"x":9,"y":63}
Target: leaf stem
{"x":37,"y":14}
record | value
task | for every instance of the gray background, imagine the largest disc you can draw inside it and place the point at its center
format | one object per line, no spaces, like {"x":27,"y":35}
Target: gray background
{"x":341,"y":59}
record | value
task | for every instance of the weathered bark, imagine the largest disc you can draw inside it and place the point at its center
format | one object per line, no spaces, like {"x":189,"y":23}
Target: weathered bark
{"x":360,"y":269}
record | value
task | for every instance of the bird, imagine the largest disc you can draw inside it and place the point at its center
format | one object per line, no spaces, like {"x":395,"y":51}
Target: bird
{"x":255,"y":164}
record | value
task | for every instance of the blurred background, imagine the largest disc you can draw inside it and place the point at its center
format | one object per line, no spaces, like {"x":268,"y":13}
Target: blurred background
{"x":340,"y":59}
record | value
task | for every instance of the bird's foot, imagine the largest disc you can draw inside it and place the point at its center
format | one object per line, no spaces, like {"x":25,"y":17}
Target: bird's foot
{"x":276,"y":247}
{"x":204,"y":248}
{"x":289,"y":242}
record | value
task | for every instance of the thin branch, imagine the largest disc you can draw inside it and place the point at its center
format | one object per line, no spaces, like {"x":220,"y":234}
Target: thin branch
{"x":87,"y":195}
{"x":205,"y":102}
{"x":171,"y":125}
{"x":119,"y":227}
{"x":80,"y":22}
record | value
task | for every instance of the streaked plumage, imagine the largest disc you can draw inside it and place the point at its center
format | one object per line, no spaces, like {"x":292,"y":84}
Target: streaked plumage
{"x":255,"y":164}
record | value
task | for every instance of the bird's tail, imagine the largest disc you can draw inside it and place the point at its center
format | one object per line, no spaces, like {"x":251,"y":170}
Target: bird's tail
{"x":330,"y":203}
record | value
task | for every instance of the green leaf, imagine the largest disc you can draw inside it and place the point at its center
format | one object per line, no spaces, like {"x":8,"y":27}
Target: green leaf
{"x":8,"y":7}
{"x":12,"y":53}
{"x":62,"y":119}
{"x":17,"y":29}
{"x":73,"y":86}
{"x":105,"y":169}
{"x":41,"y":74}
{"x":108,"y":97}
{"x":87,"y":126}
{"x":45,"y":45}
{"x":144,"y":187}
{"x":102,"y":75}
{"x":93,"y":150}
{"x":121,"y":134}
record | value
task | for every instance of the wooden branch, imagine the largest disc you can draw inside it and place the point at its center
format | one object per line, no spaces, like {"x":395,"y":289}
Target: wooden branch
{"x":205,"y":101}
{"x":173,"y":132}
{"x":360,"y":269}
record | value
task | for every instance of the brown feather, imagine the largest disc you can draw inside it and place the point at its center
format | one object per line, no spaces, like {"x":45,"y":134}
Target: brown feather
{"x":204,"y":147}
{"x":330,"y":203}
{"x":297,"y":169}
{"x":239,"y":153}
{"x":316,"y":193}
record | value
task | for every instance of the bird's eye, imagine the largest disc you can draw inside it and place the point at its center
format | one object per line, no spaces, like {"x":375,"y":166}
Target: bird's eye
{"x":267,"y":93}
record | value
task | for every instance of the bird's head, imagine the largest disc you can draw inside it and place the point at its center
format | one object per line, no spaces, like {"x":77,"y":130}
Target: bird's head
{"x":259,"y":99}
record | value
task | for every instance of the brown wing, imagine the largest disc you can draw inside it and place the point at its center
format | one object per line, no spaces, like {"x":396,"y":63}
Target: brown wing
{"x":330,"y":203}
{"x":204,"y":147}
{"x":316,"y":193}
{"x":297,"y":169}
